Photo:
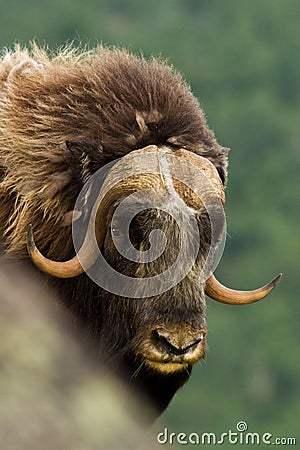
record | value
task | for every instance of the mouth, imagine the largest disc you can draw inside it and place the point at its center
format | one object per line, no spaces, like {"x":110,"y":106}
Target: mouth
{"x":168,"y":364}
{"x":168,"y":367}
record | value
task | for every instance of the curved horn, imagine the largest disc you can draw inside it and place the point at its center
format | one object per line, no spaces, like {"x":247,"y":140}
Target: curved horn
{"x":67,"y":269}
{"x":88,"y":252}
{"x":222,"y":294}
{"x":142,"y":180}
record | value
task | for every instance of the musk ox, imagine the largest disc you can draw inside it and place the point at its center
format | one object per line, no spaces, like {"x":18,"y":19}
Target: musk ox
{"x":63,"y":118}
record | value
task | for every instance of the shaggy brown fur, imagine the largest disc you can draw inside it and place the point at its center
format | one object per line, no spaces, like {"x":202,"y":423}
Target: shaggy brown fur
{"x":61,"y":119}
{"x":109,"y":101}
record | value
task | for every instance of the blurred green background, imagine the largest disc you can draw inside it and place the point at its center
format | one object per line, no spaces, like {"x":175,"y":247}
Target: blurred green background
{"x":242,"y":60}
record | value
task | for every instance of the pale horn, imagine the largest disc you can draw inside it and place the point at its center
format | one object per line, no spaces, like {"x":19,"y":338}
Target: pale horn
{"x":137,"y":182}
{"x":217,"y":291}
{"x":88,"y":253}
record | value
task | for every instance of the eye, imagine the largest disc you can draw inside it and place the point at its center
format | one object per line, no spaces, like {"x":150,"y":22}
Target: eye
{"x":115,"y":231}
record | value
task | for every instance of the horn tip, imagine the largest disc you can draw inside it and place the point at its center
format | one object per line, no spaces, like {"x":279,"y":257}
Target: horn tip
{"x":276,"y":280}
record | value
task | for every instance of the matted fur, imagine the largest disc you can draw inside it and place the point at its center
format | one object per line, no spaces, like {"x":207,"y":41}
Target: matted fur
{"x":107,"y":99}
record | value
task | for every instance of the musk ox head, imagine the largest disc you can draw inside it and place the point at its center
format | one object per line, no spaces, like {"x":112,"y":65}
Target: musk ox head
{"x":146,"y":231}
{"x":152,"y":285}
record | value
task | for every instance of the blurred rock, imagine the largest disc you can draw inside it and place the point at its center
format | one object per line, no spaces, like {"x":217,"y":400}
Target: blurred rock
{"x":53,"y":393}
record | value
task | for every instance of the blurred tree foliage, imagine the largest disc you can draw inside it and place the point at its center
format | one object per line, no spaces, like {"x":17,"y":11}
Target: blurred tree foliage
{"x":242,"y":60}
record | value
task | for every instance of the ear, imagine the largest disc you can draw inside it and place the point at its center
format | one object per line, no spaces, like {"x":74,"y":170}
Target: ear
{"x":220,"y":160}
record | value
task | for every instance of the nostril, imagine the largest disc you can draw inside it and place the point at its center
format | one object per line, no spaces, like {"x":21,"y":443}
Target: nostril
{"x":168,"y":343}
{"x":163,"y":343}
